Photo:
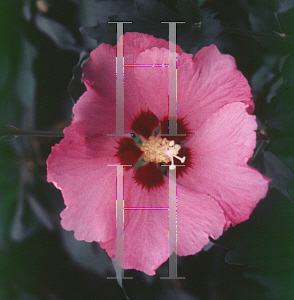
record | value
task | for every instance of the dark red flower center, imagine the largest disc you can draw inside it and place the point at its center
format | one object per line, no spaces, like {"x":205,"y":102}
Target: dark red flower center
{"x":149,"y":175}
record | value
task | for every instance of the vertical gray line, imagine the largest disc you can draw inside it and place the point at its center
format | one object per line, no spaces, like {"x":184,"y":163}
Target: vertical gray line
{"x":172,"y":78}
{"x":172,"y":226}
{"x":119,"y":80}
{"x":172,"y":82}
{"x":120,"y":219}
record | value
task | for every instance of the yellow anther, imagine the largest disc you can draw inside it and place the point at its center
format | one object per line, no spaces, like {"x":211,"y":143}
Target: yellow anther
{"x":161,"y":150}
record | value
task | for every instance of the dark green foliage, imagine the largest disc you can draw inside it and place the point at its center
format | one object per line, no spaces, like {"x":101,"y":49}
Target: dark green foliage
{"x":39,"y":65}
{"x":266,"y":243}
{"x":279,"y":113}
{"x":274,"y":25}
{"x":266,"y":240}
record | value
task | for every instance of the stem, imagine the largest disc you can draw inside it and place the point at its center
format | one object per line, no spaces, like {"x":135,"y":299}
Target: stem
{"x":17,"y":132}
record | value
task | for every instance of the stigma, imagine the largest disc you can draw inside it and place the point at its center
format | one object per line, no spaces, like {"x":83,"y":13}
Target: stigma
{"x":160,"y":150}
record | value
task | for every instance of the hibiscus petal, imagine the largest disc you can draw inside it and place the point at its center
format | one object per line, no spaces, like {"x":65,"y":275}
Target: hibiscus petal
{"x":146,"y":228}
{"x":199,"y":217}
{"x":221,"y":149}
{"x":135,"y":43}
{"x":100,"y":80}
{"x":93,"y":114}
{"x":152,"y":81}
{"x":146,"y":87}
{"x":227,"y":136}
{"x":100,"y":71}
{"x":136,"y":99}
{"x":218,"y":187}
{"x":238,"y":189}
{"x":207,"y":83}
{"x":100,"y":97}
{"x":146,"y":224}
{"x":78,"y":167}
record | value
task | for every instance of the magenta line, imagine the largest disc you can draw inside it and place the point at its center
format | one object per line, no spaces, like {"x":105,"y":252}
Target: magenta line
{"x":146,"y":65}
{"x":146,"y":208}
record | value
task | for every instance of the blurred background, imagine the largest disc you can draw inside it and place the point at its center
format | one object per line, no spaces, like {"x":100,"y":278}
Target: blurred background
{"x":42,"y":46}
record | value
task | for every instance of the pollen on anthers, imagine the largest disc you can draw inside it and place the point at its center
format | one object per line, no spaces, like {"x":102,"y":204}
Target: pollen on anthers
{"x":161,"y":150}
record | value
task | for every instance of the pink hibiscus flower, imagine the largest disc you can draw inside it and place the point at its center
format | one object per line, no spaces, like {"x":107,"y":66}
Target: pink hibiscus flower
{"x":215,"y":188}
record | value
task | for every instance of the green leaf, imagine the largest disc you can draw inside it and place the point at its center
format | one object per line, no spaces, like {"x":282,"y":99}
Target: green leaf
{"x":288,"y":70}
{"x":281,"y":175}
{"x":279,"y":286}
{"x":141,"y":162}
{"x":266,"y":74}
{"x":279,"y":113}
{"x":102,"y":32}
{"x":189,"y":9}
{"x":291,"y":189}
{"x":266,"y":240}
{"x":157,"y":130}
{"x":283,"y":149}
{"x":137,"y":139}
{"x":274,"y":26}
{"x":9,"y":183}
{"x":76,"y":87}
{"x":286,"y":21}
